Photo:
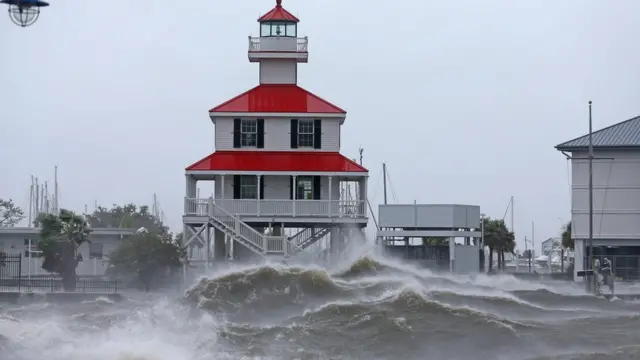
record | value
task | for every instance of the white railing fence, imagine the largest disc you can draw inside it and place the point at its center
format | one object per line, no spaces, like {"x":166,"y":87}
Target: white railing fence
{"x":278,"y":44}
{"x":293,"y":208}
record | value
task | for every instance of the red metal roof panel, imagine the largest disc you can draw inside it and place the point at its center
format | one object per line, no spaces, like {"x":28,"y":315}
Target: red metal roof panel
{"x":276,"y":98}
{"x":278,"y":13}
{"x":276,"y":161}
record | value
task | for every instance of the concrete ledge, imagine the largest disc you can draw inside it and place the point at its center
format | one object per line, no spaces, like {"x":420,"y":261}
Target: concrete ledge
{"x":16,"y":297}
{"x":626,"y":297}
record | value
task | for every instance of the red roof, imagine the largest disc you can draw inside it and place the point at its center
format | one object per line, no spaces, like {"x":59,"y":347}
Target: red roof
{"x":278,"y":13}
{"x":276,"y":161}
{"x":276,"y":98}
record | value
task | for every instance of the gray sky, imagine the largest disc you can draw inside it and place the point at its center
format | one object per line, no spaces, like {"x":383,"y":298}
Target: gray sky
{"x":464,"y":100}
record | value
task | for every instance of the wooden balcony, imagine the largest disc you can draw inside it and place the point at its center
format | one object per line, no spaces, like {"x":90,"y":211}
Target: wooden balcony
{"x":278,"y":48}
{"x":322,"y":209}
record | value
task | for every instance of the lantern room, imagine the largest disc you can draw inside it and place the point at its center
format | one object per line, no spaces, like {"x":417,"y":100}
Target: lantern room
{"x":278,"y":37}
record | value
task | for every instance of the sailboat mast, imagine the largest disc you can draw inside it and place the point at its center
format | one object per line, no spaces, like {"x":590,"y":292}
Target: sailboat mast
{"x":56,"y":202}
{"x":384,"y":181}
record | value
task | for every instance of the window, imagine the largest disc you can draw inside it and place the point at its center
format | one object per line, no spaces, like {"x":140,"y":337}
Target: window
{"x":249,"y":133}
{"x":248,"y":187}
{"x":305,"y":133}
{"x":33,"y":250}
{"x":95,"y":250}
{"x":278,"y":28}
{"x":304,"y":188}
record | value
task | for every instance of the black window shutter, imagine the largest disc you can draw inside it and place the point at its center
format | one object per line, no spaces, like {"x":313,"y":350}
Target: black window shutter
{"x":236,"y":133}
{"x":294,"y":133}
{"x":291,"y":187}
{"x":236,"y":186}
{"x":261,"y":187}
{"x":316,"y":187}
{"x":317,"y":134}
{"x":260,"y":133}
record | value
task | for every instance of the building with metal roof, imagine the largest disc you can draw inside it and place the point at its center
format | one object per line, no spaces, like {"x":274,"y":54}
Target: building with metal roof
{"x":624,"y":135}
{"x":616,"y":196}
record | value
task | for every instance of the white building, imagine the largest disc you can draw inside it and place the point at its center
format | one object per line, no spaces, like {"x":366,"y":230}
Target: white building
{"x":616,"y":196}
{"x":23,"y":240}
{"x":277,"y":163}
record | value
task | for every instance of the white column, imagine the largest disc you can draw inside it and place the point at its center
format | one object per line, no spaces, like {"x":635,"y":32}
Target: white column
{"x":293,"y":191}
{"x":259,"y":195}
{"x":222,"y":197}
{"x":362,"y":207}
{"x":330,"y":197}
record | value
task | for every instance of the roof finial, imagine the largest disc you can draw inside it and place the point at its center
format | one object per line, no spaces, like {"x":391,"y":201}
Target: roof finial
{"x":279,"y":3}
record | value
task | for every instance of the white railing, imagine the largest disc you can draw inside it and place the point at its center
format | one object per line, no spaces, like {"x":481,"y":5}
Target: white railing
{"x":301,"y":238}
{"x":287,"y":208}
{"x":234,"y":224}
{"x":278,"y":44}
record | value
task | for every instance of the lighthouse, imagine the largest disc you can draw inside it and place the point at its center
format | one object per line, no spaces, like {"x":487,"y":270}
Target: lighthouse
{"x":281,"y":185}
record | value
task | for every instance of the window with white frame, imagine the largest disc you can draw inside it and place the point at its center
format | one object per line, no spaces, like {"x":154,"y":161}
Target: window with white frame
{"x":248,"y":187}
{"x":31,"y":248}
{"x":249,"y":133}
{"x":95,"y":250}
{"x":305,"y":133}
{"x":304,"y":188}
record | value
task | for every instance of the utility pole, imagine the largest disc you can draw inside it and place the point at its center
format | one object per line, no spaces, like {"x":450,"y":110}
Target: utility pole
{"x":590,"y":279}
{"x":533,"y":240}
{"x":591,"y":196}
{"x":361,"y":150}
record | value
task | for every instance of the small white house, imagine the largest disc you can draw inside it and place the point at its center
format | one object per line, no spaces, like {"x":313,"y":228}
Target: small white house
{"x":277,"y":163}
{"x":24,"y":241}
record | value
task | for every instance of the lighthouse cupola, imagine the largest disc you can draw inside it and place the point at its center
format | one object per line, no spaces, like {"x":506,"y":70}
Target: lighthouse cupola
{"x":278,"y":42}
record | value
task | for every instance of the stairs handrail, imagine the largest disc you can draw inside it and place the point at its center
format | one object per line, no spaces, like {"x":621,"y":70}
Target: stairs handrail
{"x":237,"y":223}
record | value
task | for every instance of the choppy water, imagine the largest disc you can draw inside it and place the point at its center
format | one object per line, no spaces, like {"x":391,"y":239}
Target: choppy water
{"x":369,"y":308}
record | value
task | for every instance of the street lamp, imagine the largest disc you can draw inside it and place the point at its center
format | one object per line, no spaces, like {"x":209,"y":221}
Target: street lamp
{"x":24,"y":12}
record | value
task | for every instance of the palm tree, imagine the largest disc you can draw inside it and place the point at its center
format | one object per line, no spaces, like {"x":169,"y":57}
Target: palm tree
{"x":60,"y":237}
{"x":567,"y":241}
{"x":499,"y":239}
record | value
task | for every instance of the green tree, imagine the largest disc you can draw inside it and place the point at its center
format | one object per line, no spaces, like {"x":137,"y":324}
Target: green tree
{"x":10,"y":214}
{"x":60,"y":237}
{"x":148,"y":257}
{"x":127,"y":216}
{"x":499,"y":239}
{"x":435,"y":241}
{"x":567,"y":241}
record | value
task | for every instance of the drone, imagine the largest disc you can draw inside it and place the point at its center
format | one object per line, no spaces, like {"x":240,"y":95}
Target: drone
{"x":24,"y":12}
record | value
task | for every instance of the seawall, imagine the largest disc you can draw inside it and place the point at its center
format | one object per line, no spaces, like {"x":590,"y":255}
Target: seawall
{"x":17,"y":297}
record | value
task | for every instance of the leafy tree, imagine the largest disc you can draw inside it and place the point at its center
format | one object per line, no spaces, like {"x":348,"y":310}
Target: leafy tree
{"x":498,"y":238}
{"x":10,"y":214}
{"x":435,"y":241}
{"x":148,"y":256}
{"x":567,"y":241}
{"x":128,"y":216}
{"x":527,"y":254}
{"x":60,"y":237}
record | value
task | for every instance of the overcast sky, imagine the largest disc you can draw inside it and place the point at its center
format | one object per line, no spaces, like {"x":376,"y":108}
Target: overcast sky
{"x":464,"y":100}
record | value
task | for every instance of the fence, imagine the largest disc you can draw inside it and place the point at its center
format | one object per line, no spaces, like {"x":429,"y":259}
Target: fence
{"x":625,"y":267}
{"x":12,"y":279}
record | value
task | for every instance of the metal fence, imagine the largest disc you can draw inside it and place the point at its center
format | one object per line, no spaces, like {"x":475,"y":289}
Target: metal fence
{"x":625,"y":267}
{"x":12,"y":279}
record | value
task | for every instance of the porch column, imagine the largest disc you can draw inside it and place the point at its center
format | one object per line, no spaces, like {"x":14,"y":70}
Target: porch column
{"x":190,"y":193}
{"x":259,"y":196}
{"x":330,"y":197}
{"x":293,"y":192}
{"x":362,"y":207}
{"x":222,"y":187}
